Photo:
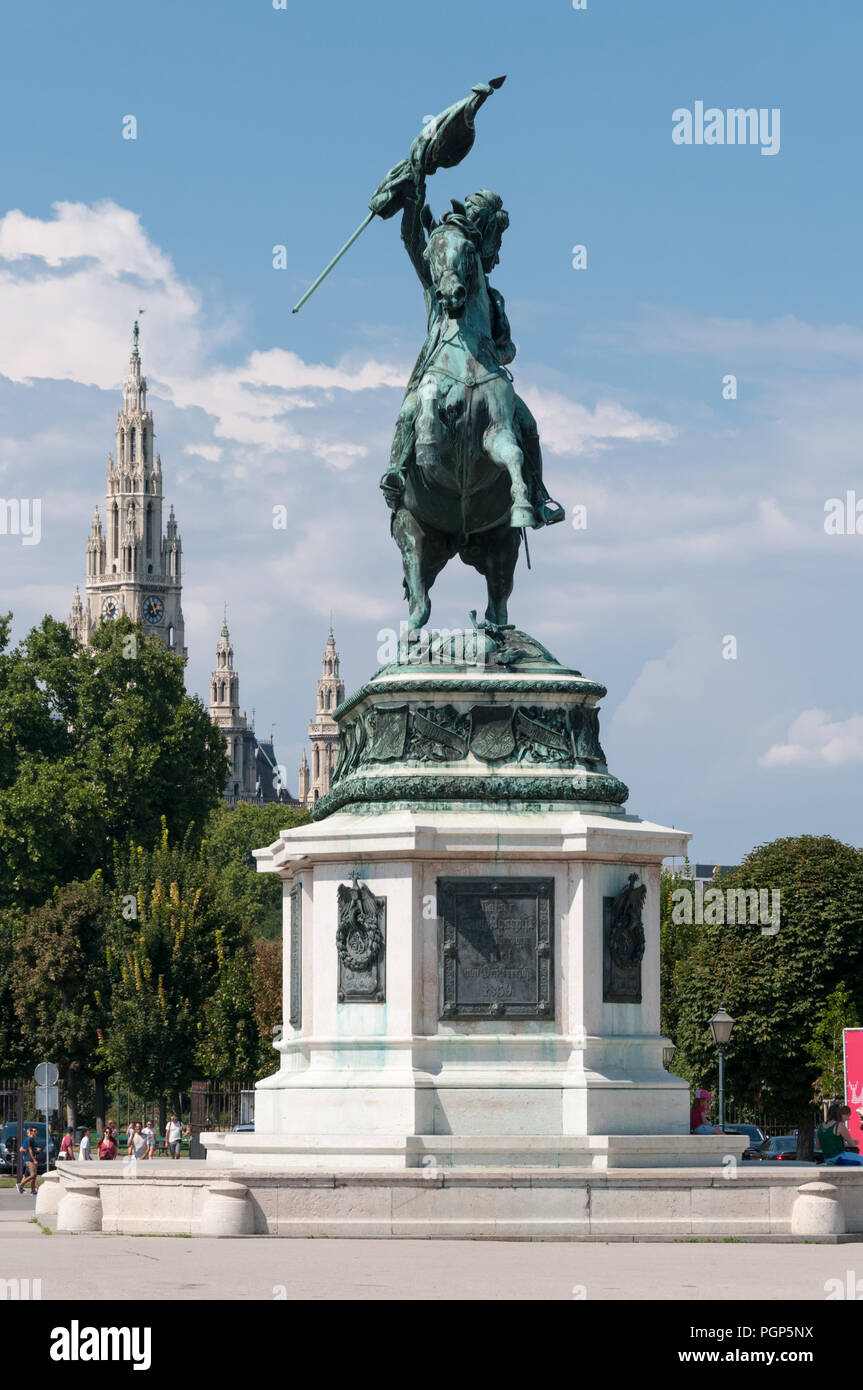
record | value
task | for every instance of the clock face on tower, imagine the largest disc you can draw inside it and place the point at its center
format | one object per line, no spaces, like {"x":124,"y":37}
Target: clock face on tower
{"x":110,"y":607}
{"x":154,"y":609}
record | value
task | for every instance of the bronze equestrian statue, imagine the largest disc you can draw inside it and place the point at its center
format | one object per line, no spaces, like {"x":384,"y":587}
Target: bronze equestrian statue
{"x":465,"y":470}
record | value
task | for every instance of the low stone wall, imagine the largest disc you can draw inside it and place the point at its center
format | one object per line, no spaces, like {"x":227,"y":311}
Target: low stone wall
{"x":780,"y":1200}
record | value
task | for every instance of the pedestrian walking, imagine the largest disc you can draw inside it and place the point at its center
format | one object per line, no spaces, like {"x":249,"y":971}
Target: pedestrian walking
{"x":174,"y":1136}
{"x":67,"y":1145}
{"x":150,"y":1136}
{"x":107,"y":1148}
{"x":31,"y":1150}
{"x":84,"y":1146}
{"x":138,"y":1142}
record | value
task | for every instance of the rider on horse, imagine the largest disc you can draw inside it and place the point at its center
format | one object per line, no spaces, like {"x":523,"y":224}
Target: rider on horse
{"x":485,"y":220}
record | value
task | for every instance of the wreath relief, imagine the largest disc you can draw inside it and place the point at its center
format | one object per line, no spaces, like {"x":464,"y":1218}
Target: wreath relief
{"x":626,"y":940}
{"x":359,"y":938}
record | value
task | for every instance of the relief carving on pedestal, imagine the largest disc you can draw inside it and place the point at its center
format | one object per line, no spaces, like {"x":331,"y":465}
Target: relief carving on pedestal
{"x":361,"y":944}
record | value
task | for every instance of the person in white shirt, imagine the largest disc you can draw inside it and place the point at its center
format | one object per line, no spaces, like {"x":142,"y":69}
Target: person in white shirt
{"x":138,"y":1144}
{"x":84,"y":1145}
{"x":150,"y":1136}
{"x":173,"y":1136}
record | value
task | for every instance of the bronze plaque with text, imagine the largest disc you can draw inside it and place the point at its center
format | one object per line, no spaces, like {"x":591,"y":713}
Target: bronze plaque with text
{"x":496,"y":948}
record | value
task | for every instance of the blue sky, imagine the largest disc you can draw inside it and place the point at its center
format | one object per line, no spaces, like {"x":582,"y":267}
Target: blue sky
{"x":259,"y":127}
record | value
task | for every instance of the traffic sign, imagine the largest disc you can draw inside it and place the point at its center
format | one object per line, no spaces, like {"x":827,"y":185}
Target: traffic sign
{"x":47,"y":1099}
{"x":46,"y":1074}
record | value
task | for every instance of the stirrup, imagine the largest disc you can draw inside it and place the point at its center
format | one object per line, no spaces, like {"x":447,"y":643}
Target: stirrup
{"x":551,"y":511}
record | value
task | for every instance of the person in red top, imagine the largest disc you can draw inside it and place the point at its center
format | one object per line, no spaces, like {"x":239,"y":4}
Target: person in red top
{"x":699,"y":1112}
{"x":107,"y":1148}
{"x":67,"y":1146}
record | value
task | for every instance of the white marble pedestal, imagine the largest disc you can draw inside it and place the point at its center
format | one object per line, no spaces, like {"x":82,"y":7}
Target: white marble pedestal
{"x":396,"y":1083}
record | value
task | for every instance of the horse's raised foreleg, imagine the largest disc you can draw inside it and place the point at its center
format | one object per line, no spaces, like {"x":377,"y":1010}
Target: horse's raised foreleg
{"x":501,"y":445}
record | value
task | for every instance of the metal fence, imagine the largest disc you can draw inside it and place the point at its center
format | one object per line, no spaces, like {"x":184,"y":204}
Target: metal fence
{"x":769,"y":1126}
{"x":218,"y":1106}
{"x":12,"y":1088}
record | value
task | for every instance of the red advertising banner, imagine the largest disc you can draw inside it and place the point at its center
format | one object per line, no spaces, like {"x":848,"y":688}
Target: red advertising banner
{"x":853,"y":1046}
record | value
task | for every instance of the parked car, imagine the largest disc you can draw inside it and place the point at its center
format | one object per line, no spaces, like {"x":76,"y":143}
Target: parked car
{"x":752,"y":1152}
{"x":780,"y":1147}
{"x":242,"y":1129}
{"x":9,"y":1145}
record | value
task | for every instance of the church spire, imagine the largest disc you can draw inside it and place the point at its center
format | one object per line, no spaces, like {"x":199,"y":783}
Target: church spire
{"x":323,"y":730}
{"x":133,"y":566}
{"x":225,"y":685}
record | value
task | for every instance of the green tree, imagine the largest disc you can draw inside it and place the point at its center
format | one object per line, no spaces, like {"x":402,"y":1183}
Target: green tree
{"x":267,"y":983}
{"x":156,"y":959}
{"x":826,"y":1051}
{"x":231,"y":834}
{"x":18,"y":1053}
{"x":678,"y":939}
{"x":229,"y":1044}
{"x":775,"y":985}
{"x":97,"y":744}
{"x":59,"y":981}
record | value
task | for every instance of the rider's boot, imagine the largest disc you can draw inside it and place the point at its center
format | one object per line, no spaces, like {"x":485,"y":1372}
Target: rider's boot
{"x":392,"y":486}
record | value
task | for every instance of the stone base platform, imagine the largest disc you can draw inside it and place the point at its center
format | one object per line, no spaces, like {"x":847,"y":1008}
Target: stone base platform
{"x":346,"y":1153}
{"x":759,"y":1201}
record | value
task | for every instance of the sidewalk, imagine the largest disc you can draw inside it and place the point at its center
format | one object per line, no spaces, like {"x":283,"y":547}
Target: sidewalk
{"x":259,"y":1268}
{"x":15,"y":1216}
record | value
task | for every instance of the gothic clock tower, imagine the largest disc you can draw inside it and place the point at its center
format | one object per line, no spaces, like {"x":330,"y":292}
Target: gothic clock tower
{"x":132,"y":567}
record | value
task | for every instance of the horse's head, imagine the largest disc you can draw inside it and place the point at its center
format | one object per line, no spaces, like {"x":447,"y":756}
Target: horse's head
{"x":452,"y":259}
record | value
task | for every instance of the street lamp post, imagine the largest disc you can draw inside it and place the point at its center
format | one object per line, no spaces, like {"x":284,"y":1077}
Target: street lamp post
{"x":721,"y":1026}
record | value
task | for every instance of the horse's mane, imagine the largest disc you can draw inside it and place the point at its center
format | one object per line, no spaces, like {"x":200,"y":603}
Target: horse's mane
{"x":458,"y":218}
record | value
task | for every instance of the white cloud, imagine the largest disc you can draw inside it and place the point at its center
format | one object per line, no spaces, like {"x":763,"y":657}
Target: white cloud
{"x":211,"y":452}
{"x":567,"y":427}
{"x":816,"y":741}
{"x":71,"y":284}
{"x":70,"y":287}
{"x":352,"y":593}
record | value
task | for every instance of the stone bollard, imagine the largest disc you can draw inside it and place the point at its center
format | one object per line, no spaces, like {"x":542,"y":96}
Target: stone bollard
{"x":227,"y":1211}
{"x":817,"y":1211}
{"x":49,"y":1194}
{"x":80,"y":1208}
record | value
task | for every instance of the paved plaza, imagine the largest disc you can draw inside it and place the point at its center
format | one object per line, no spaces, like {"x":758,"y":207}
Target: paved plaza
{"x":166,"y":1267}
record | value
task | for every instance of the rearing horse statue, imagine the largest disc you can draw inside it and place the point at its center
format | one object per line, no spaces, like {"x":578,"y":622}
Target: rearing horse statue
{"x":465,"y":473}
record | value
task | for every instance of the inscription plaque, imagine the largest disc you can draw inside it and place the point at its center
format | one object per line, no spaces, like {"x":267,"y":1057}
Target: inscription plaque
{"x":295,"y":1016}
{"x":495,"y":948}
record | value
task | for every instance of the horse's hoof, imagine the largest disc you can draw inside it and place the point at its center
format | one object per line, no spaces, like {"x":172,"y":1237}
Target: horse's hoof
{"x":522,"y":516}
